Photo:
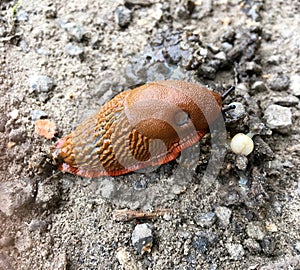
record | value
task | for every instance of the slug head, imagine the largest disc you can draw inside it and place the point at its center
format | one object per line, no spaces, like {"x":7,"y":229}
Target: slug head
{"x":172,"y":110}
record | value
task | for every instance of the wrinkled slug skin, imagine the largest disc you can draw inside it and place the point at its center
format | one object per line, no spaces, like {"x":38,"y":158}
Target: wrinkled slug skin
{"x":146,"y":126}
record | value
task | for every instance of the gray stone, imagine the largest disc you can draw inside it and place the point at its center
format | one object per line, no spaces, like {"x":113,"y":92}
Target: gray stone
{"x":74,"y":30}
{"x":22,"y":16}
{"x":295,"y":85}
{"x":268,"y":245}
{"x":207,"y":72}
{"x":289,"y":100}
{"x":256,"y":231}
{"x":206,"y":219}
{"x":259,"y":86}
{"x":258,"y":127}
{"x":279,"y":82}
{"x":142,"y":238}
{"x":37,"y":225}
{"x":37,"y":114}
{"x":252,"y":245}
{"x":241,"y":162}
{"x":241,"y":90}
{"x":47,"y":195}
{"x":221,"y":56}
{"x":139,"y":2}
{"x":236,"y":251}
{"x":223,"y":214}
{"x":123,"y":16}
{"x":15,"y":195}
{"x":278,"y":118}
{"x":201,"y":244}
{"x":274,"y":59}
{"x":253,"y":67}
{"x":74,"y":50}
{"x":226,"y":46}
{"x":40,"y":83}
{"x":237,"y":113}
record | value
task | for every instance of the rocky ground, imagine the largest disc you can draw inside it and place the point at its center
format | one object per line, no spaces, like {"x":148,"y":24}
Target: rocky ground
{"x":60,"y":61}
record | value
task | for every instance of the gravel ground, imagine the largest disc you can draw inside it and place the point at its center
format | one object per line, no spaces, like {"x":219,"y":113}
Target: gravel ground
{"x":60,"y":61}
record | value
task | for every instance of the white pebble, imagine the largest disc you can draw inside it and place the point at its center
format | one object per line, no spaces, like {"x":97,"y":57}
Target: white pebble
{"x":242,"y":144}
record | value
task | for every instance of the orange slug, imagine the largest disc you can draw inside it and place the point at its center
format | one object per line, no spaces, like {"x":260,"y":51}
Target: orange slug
{"x":146,"y":126}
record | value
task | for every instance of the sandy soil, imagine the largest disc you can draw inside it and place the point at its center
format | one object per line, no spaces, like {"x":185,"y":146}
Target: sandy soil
{"x":247,"y":218}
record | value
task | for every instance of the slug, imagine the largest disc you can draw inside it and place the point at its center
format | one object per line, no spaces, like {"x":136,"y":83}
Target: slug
{"x":146,"y":126}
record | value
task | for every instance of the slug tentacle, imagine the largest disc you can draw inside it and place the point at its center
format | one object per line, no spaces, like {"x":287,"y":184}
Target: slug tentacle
{"x":146,"y":126}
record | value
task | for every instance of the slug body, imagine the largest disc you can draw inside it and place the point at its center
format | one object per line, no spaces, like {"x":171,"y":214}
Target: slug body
{"x":146,"y":126}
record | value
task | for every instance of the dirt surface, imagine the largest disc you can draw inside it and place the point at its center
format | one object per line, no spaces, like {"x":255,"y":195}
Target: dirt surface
{"x":60,"y":61}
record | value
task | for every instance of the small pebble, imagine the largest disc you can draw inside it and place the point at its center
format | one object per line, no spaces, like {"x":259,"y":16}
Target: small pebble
{"x":262,"y":149}
{"x":268,"y":245}
{"x":138,"y":2}
{"x":123,"y":16}
{"x":47,"y":195}
{"x":201,"y":244}
{"x":213,"y":48}
{"x":74,"y":50}
{"x":74,"y":30}
{"x":241,"y":90}
{"x":14,"y":114}
{"x":15,"y":195}
{"x":278,"y":118}
{"x":253,"y":68}
{"x":254,"y":13}
{"x":271,"y":227}
{"x":252,"y":245}
{"x":274,"y":59}
{"x":205,"y":220}
{"x":223,"y":214}
{"x":22,"y":16}
{"x":37,"y":114}
{"x":142,"y":238}
{"x":228,"y":35}
{"x":50,"y":13}
{"x":236,"y":251}
{"x":37,"y":225}
{"x":237,"y":113}
{"x":140,"y":184}
{"x":241,"y":162}
{"x":255,"y":230}
{"x":178,"y":189}
{"x":125,"y":259}
{"x":258,"y":86}
{"x":226,"y":46}
{"x":40,"y":83}
{"x":295,"y":85}
{"x":221,"y":56}
{"x":279,"y":82}
{"x":24,"y":46}
{"x":258,"y":127}
{"x":43,"y":51}
{"x":288,"y":101}
{"x":45,"y":128}
{"x":207,"y":72}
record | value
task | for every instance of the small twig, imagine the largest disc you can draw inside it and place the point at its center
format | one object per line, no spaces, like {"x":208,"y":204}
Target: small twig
{"x":127,"y":215}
